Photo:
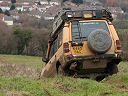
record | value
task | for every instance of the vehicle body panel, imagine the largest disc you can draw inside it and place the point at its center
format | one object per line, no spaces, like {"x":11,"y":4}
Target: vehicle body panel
{"x":79,"y":56}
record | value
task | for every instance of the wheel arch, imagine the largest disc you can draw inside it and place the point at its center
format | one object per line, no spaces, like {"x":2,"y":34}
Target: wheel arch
{"x":57,"y":65}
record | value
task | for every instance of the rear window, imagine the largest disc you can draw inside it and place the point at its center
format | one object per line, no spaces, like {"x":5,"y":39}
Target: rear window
{"x":81,"y":30}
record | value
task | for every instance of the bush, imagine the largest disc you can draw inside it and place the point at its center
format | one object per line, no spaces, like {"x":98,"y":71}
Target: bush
{"x":30,"y":38}
{"x":22,"y":37}
{"x":123,"y":24}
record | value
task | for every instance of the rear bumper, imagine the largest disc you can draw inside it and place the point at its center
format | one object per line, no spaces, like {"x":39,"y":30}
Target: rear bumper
{"x":72,"y":58}
{"x":89,"y":61}
{"x":90,"y":65}
{"x":94,"y":57}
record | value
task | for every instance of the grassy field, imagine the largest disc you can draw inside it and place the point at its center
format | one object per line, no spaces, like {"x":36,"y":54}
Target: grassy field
{"x":19,"y":77}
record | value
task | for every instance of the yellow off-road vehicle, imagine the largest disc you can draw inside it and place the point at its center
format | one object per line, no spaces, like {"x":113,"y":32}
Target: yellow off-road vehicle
{"x":84,"y":43}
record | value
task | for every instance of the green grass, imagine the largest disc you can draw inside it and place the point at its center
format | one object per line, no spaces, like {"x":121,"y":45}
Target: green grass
{"x":116,"y":85}
{"x":31,"y":61}
{"x":62,"y":86}
{"x":122,"y":77}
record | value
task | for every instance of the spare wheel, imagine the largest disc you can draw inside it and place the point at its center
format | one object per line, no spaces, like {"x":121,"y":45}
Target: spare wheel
{"x":99,"y":41}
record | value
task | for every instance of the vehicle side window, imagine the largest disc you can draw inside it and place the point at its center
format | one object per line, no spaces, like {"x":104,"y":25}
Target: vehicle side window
{"x":56,"y":44}
{"x":60,"y":36}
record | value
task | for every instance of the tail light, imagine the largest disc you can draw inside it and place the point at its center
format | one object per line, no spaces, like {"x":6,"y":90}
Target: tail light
{"x":66,"y":47}
{"x":118,"y":44}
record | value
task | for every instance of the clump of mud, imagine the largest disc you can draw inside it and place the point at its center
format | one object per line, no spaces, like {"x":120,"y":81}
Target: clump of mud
{"x":13,"y":70}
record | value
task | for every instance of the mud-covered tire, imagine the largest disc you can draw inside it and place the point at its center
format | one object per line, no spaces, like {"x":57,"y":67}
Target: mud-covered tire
{"x":60,"y":71}
{"x":99,"y":41}
{"x":113,"y":69}
{"x":100,"y":78}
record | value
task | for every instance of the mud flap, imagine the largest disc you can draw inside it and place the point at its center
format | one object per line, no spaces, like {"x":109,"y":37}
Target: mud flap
{"x":49,"y":71}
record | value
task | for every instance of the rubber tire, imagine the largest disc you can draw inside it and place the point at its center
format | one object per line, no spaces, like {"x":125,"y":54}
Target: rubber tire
{"x":99,"y":41}
{"x":100,"y":78}
{"x":113,"y":69}
{"x":60,"y":71}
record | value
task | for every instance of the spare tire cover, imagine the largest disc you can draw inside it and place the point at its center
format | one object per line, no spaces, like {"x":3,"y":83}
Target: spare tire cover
{"x":99,"y":41}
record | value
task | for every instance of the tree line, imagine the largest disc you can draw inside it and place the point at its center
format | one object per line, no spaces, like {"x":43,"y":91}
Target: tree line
{"x":31,"y":37}
{"x":25,"y":39}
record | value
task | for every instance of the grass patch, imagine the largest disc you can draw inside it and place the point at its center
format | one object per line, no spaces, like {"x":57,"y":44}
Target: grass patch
{"x":116,"y":85}
{"x":33,"y":87}
{"x":62,"y":86}
{"x":31,"y":61}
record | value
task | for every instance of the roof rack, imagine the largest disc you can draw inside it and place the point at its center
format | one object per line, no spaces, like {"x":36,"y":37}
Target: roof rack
{"x":67,"y":14}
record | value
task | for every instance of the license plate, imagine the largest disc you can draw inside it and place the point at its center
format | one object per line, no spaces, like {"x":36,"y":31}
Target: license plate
{"x":77,"y":49}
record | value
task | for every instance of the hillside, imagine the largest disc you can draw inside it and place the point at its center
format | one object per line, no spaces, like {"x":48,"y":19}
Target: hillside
{"x":20,"y":77}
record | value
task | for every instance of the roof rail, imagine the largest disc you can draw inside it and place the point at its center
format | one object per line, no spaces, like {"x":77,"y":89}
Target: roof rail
{"x":67,"y":14}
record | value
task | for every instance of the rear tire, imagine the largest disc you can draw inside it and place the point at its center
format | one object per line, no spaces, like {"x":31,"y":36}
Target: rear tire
{"x":113,"y":69}
{"x":100,"y":78}
{"x":60,"y":71}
